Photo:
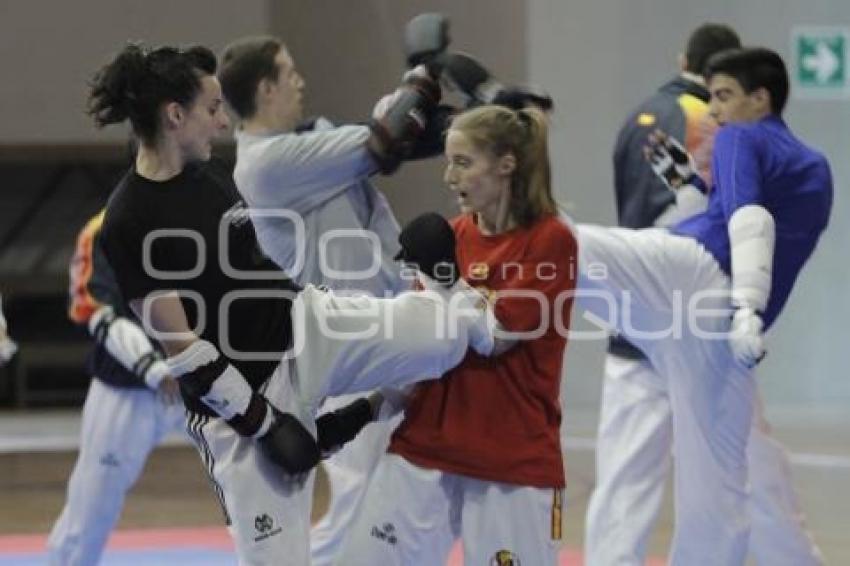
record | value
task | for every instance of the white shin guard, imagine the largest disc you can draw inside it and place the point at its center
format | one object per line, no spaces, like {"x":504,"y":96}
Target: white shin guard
{"x":752,"y":237}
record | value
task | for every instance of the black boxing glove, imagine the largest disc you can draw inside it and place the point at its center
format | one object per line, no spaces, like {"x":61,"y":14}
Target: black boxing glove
{"x":400,"y":118}
{"x":428,"y":243}
{"x":288,"y":444}
{"x":466,"y":74}
{"x":336,"y":428}
{"x":426,"y":38}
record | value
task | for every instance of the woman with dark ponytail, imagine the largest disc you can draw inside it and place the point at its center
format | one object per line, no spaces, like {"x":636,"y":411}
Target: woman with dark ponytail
{"x":185,"y":254}
{"x":133,"y":401}
{"x":478,"y":454}
{"x":139,"y":82}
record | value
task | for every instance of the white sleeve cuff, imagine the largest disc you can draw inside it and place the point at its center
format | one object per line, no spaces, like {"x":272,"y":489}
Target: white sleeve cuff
{"x":156,"y":373}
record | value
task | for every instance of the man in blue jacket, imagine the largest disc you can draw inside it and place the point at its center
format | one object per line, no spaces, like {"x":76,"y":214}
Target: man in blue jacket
{"x":697,"y":298}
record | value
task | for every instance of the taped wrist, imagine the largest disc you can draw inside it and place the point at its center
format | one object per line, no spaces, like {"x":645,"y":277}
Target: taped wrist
{"x":752,"y":237}
{"x":208,"y":376}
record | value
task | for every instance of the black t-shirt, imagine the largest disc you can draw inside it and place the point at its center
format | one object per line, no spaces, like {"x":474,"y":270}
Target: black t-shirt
{"x":192,"y":234}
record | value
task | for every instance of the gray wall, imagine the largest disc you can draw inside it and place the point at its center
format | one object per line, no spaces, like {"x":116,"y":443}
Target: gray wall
{"x":602,"y":58}
{"x":49,"y":50}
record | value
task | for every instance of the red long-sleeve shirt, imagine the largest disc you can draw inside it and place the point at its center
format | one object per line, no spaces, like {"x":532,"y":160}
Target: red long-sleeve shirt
{"x":498,"y":418}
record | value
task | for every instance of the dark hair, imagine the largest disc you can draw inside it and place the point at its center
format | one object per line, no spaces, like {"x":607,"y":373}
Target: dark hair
{"x":705,"y":41}
{"x":754,"y":68}
{"x":244,"y":64}
{"x":523,"y":133}
{"x":139,"y":81}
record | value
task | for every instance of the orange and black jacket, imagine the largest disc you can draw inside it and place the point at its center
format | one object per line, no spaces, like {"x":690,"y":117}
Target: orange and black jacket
{"x":93,"y":286}
{"x":679,"y":108}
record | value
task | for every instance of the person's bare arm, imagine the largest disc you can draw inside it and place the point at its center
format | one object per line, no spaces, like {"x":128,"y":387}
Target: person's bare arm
{"x":164,"y":319}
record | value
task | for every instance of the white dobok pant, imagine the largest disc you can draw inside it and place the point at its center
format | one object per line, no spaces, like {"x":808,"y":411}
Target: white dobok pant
{"x":120,"y":428}
{"x":344,"y":345}
{"x":667,"y":295}
{"x":633,"y":451}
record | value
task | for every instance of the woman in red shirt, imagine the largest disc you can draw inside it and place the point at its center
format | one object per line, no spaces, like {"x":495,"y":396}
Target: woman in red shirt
{"x":478,"y":454}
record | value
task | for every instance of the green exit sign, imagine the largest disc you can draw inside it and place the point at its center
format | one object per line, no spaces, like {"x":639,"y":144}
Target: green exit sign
{"x":820,"y":61}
